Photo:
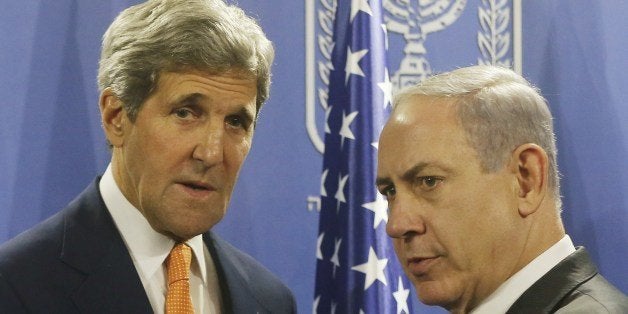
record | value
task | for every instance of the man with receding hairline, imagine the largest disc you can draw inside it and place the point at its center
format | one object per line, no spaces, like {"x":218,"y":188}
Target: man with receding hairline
{"x":467,"y":162}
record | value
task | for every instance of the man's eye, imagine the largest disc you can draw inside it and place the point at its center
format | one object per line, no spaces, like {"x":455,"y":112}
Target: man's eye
{"x":388,"y":192}
{"x":237,"y":122}
{"x":429,"y":183}
{"x":183,"y":113}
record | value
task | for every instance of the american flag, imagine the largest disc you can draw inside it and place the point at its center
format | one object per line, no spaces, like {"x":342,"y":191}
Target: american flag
{"x":357,"y":270}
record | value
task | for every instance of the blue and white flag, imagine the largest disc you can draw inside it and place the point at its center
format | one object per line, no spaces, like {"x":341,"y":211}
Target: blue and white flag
{"x":357,"y":270}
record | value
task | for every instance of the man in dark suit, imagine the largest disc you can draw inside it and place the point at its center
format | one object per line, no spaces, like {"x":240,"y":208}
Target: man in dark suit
{"x":181,"y":82}
{"x":467,"y":162}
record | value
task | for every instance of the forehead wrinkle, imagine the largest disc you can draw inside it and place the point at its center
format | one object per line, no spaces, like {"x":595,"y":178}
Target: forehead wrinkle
{"x":228,"y":81}
{"x":192,"y":98}
{"x":405,"y":112}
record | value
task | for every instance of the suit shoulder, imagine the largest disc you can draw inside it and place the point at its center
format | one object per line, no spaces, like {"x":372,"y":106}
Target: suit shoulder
{"x":34,"y":244}
{"x":34,"y":252}
{"x":25,"y":264}
{"x":596,"y":295}
{"x":46,"y":238}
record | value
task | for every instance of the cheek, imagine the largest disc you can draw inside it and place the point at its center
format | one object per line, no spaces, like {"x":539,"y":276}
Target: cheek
{"x":157,"y":141}
{"x":398,"y":245}
{"x":455,"y":228}
{"x":236,"y":153}
{"x":469,"y":236}
{"x":400,"y":250}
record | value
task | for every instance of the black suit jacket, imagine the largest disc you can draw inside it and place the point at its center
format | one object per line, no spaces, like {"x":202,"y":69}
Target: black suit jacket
{"x":572,"y":286}
{"x":77,"y":262}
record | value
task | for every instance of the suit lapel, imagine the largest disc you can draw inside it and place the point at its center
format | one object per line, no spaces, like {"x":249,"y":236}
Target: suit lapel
{"x":93,"y":246}
{"x":236,"y":293}
{"x":547,"y":292}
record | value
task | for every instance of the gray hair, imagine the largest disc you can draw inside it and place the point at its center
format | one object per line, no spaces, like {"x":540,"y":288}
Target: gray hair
{"x":179,"y":35}
{"x":499,"y":111}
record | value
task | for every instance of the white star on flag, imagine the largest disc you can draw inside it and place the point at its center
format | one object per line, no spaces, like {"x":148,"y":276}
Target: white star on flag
{"x":345,"y":130}
{"x":335,"y":258}
{"x":380,"y":208}
{"x":373,"y":269}
{"x":319,"y":242}
{"x":352,"y":66}
{"x":401,"y":297}
{"x":340,"y":194}
{"x":333,"y":307}
{"x":327,"y":112}
{"x":323,"y":179}
{"x":386,"y":87}
{"x":315,"y":305}
{"x":360,"y":5}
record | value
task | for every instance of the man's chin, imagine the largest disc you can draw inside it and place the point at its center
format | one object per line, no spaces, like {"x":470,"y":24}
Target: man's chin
{"x":433,"y":293}
{"x":190,"y":228}
{"x":184,"y":235}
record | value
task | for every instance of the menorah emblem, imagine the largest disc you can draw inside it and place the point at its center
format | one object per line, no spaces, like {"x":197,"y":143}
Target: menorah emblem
{"x":415,"y":19}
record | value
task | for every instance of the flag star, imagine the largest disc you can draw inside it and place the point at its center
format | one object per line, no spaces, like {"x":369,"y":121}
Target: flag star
{"x":327,"y":112}
{"x":401,"y":297}
{"x":333,"y":307}
{"x":319,"y":242}
{"x":323,"y":179}
{"x":380,"y":208}
{"x":376,"y":145}
{"x":386,"y":87}
{"x":345,"y":130}
{"x":373,"y":269}
{"x":315,"y":306}
{"x":340,"y":194}
{"x":335,"y":258}
{"x":360,"y":5}
{"x":352,"y":66}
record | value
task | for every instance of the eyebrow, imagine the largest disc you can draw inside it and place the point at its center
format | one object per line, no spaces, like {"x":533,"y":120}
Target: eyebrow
{"x":194,"y":98}
{"x":382,"y":181}
{"x":246,"y":114}
{"x":409,"y":175}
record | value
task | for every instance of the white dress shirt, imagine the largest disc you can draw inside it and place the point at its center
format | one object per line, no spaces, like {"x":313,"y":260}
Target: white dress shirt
{"x":509,"y":291}
{"x":149,"y":250}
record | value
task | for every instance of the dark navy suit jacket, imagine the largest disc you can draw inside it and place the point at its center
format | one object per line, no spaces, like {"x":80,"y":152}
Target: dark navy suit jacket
{"x":76,"y":262}
{"x":572,"y":286}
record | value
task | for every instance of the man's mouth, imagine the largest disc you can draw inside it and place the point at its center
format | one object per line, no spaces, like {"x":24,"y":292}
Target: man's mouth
{"x":197,"y":188}
{"x":419,"y":266}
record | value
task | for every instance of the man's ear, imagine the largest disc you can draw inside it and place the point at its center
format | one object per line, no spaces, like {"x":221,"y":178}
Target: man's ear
{"x":113,"y":117}
{"x":530,"y":163}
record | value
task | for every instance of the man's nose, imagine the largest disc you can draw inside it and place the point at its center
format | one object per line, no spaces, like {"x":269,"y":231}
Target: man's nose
{"x":210,"y":146}
{"x":405,"y":218}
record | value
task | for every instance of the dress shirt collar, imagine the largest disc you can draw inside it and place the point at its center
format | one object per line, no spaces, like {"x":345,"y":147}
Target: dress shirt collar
{"x":148,"y":248}
{"x":509,"y":291}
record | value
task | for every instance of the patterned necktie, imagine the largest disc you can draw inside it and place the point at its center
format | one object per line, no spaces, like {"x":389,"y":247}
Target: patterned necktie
{"x":178,"y":299}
